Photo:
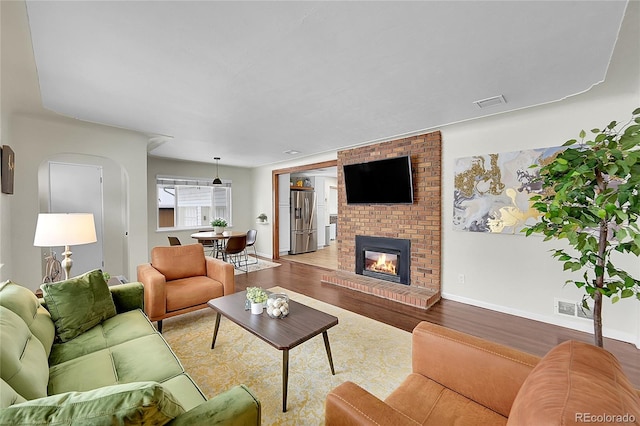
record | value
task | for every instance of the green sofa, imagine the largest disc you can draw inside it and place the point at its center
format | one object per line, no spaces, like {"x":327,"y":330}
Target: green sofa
{"x":88,"y":355}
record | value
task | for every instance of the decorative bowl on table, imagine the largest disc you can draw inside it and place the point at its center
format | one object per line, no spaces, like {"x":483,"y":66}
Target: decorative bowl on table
{"x":278,"y":305}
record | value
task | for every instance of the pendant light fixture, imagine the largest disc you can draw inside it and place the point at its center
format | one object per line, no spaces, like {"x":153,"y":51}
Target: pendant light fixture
{"x":217,"y":180}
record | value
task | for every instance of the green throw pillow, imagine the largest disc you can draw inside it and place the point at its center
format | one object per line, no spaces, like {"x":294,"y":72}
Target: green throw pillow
{"x":78,"y":304}
{"x":130,"y":403}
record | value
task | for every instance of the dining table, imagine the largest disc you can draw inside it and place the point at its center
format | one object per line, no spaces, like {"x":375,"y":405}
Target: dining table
{"x":216,"y":240}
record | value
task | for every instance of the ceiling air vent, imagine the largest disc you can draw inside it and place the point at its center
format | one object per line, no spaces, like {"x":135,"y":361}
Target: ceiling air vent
{"x":490,"y":102}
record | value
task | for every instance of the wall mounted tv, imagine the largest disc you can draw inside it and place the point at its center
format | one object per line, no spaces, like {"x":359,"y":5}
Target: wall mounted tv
{"x":385,"y":181}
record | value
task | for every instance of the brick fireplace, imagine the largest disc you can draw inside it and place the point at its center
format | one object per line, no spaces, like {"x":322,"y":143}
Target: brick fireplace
{"x":417,"y":223}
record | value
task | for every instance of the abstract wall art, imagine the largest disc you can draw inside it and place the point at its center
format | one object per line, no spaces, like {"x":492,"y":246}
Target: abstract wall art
{"x":492,"y":192}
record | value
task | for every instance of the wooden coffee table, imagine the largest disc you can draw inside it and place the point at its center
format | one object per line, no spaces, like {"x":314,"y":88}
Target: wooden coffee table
{"x":300,"y":325}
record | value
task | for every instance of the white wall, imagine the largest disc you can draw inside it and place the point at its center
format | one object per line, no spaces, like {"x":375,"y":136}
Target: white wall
{"x":512,"y":273}
{"x":122,"y":153}
{"x":5,"y":229}
{"x":244,"y":213}
{"x":11,"y":28}
{"x":36,"y":136}
{"x":263,"y":196}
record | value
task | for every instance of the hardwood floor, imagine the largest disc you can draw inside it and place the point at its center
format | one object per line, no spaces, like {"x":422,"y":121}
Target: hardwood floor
{"x":325,"y":257}
{"x":520,"y":333}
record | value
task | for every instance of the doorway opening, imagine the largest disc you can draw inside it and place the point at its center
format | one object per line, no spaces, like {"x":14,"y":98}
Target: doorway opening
{"x":113,"y":209}
{"x":281,"y":185}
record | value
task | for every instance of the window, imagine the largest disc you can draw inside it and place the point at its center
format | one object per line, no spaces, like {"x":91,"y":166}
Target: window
{"x":189,"y":203}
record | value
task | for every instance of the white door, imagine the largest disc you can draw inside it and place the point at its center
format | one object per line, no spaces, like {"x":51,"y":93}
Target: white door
{"x":77,"y":188}
{"x":284,"y":215}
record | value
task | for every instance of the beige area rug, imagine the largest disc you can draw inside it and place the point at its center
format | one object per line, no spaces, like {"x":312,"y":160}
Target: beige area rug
{"x":372,"y":354}
{"x":262,"y":264}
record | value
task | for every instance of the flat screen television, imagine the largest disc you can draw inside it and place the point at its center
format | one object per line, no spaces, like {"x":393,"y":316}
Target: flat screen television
{"x":385,"y":181}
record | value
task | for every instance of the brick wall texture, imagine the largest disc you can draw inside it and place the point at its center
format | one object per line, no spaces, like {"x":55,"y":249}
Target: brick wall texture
{"x":419,"y":222}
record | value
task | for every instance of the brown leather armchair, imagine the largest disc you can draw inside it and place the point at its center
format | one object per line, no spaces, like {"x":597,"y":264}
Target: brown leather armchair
{"x":459,"y":379}
{"x":182,"y":279}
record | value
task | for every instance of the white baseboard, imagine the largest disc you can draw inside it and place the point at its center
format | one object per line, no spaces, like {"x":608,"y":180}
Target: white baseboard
{"x":586,"y":326}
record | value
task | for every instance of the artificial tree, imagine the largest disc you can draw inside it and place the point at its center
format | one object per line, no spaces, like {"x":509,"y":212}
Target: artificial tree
{"x":591,"y":198}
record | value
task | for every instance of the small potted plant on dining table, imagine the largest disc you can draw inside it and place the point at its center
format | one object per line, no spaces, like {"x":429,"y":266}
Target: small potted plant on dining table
{"x":257,"y":296}
{"x":218,"y":225}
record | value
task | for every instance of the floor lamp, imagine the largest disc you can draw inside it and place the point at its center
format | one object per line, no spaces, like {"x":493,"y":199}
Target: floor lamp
{"x":65,"y":229}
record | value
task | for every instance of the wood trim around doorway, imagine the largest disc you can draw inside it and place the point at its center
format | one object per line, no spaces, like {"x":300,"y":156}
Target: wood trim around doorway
{"x":276,"y":201}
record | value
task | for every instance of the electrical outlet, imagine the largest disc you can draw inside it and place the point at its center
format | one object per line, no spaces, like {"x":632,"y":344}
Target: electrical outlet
{"x":460,"y":278}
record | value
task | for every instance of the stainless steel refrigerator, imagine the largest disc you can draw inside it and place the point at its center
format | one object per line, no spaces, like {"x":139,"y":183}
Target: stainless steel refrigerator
{"x":304,"y":233}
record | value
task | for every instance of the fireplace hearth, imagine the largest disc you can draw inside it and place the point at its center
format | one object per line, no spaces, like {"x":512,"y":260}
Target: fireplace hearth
{"x":384,"y":258}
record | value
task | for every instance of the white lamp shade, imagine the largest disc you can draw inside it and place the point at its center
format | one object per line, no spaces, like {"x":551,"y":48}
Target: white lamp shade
{"x":64,"y":229}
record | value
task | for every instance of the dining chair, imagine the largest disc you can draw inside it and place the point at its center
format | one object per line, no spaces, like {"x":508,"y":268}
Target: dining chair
{"x":251,"y":241}
{"x":174,"y":241}
{"x":210,"y":246}
{"x":235,"y":250}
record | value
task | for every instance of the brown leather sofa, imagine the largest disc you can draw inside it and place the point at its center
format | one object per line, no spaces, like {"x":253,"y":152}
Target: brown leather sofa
{"x":182,"y":279}
{"x":464,"y":380}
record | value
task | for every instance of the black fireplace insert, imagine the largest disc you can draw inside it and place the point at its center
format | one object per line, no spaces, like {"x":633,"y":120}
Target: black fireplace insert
{"x":384,"y":258}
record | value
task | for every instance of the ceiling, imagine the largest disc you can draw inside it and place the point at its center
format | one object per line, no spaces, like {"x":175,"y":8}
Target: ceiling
{"x":247,"y":81}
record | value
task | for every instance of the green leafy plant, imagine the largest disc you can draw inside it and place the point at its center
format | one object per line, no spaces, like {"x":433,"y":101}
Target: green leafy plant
{"x":257,"y":294}
{"x":219,"y":222}
{"x":592,"y":200}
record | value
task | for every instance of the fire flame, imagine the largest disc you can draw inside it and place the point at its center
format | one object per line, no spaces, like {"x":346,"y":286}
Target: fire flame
{"x":382,"y":265}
